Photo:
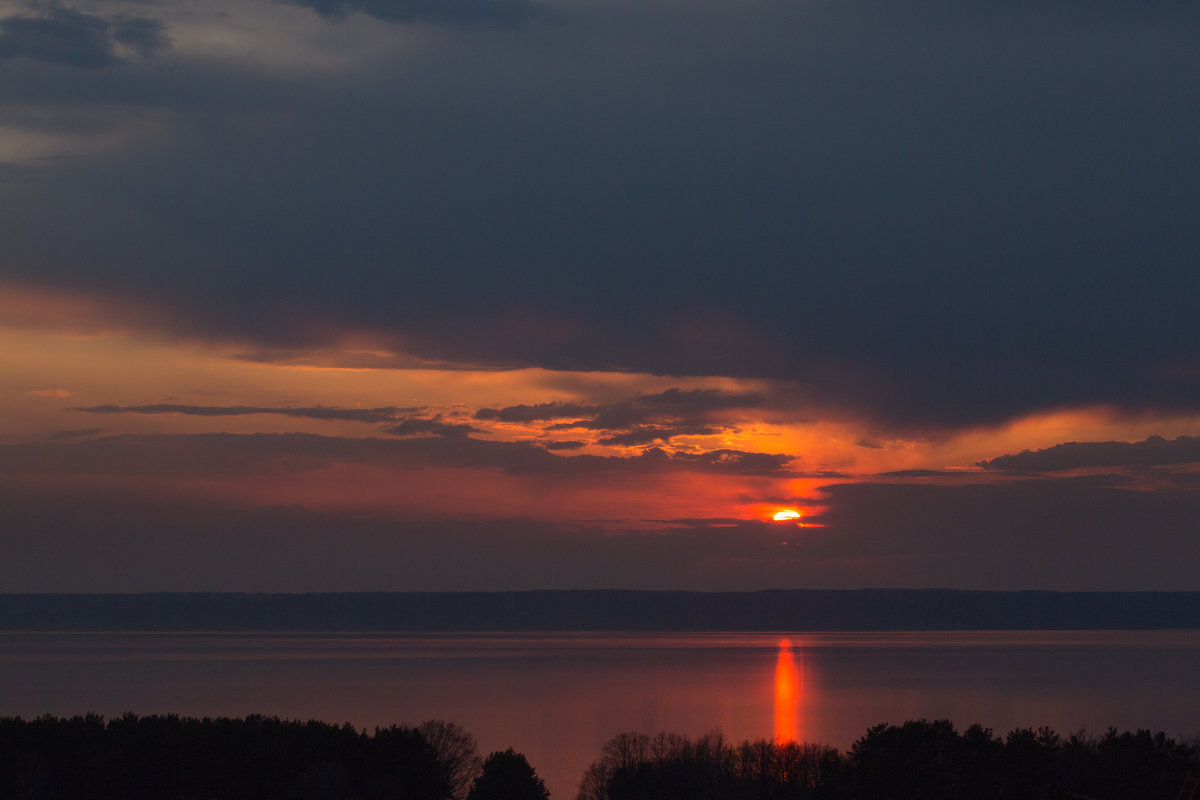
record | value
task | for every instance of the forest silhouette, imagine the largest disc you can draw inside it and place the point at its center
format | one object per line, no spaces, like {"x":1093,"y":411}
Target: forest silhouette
{"x":266,"y":758}
{"x":255,"y":757}
{"x":918,"y":760}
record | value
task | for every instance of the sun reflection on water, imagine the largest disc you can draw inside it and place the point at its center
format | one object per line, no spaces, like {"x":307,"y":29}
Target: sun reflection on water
{"x":787,"y":694}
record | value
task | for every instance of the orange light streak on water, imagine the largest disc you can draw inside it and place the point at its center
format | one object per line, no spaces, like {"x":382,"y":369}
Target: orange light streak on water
{"x":787,"y":695}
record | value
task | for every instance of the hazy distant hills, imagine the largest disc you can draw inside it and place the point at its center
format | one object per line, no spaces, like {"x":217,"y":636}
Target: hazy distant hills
{"x":866,"y":609}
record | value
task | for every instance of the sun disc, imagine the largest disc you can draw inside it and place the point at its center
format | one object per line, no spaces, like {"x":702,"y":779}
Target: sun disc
{"x":789,"y":514}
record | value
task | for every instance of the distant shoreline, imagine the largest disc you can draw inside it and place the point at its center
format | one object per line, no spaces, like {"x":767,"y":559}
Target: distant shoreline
{"x":604,"y":610}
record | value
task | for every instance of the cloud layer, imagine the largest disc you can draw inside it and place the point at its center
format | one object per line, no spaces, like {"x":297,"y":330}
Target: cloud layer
{"x":594,"y":289}
{"x":458,"y":13}
{"x":1032,"y":535}
{"x":63,"y":35}
{"x":1154,"y":451}
{"x":935,"y":216}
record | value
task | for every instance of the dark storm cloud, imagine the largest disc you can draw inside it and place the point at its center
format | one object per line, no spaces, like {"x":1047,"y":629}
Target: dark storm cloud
{"x":64,"y":35}
{"x":460,"y":13}
{"x":936,"y":214}
{"x":386,"y":414}
{"x":221,"y":454}
{"x":1154,"y":451}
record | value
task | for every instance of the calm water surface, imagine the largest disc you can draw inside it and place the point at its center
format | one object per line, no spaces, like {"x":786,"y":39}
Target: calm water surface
{"x":558,"y":697}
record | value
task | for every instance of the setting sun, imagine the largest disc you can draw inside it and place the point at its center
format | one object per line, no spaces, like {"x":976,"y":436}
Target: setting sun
{"x":785,"y":515}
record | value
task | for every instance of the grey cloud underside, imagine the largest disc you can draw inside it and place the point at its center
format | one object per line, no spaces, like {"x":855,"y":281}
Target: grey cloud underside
{"x":929,"y":213}
{"x":385,"y":414}
{"x":457,"y":13}
{"x":435,"y":425}
{"x":406,"y":422}
{"x":537,"y":412}
{"x":648,"y":434}
{"x":645,"y":419}
{"x":258,"y":454}
{"x":1154,"y":451}
{"x":684,"y":409}
{"x":63,"y":35}
{"x":668,"y":404}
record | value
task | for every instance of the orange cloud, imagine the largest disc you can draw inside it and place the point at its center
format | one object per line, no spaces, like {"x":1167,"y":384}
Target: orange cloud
{"x":617,"y":446}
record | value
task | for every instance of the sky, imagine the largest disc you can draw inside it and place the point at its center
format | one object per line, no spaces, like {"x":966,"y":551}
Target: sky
{"x":337,"y":295}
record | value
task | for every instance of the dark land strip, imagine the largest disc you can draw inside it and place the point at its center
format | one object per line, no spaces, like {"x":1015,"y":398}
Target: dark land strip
{"x":604,"y":610}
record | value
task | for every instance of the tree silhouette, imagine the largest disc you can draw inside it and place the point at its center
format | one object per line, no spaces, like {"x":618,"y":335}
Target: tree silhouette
{"x":507,"y":775}
{"x":456,"y":752}
{"x":672,"y":767}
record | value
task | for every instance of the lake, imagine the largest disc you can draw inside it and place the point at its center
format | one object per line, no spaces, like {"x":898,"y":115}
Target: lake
{"x":559,"y":697}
